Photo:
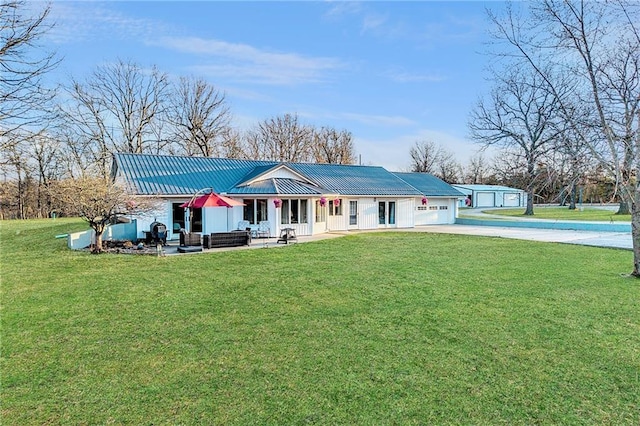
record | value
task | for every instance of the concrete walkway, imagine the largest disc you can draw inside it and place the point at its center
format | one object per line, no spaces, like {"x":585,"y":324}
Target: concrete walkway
{"x":620,"y":240}
{"x":599,"y":234}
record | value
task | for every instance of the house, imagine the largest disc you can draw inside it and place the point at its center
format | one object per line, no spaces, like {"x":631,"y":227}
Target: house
{"x":310,"y":198}
{"x":440,"y":201}
{"x":491,"y":196}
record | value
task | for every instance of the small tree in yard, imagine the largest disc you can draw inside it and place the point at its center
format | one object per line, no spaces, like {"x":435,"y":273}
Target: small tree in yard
{"x":96,"y":200}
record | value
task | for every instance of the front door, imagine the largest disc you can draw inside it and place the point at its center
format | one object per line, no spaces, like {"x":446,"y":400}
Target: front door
{"x":353,"y":214}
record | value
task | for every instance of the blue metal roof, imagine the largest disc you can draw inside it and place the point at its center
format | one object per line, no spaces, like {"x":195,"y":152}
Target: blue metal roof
{"x":277,"y":186}
{"x":479,"y":187}
{"x":176,"y":175}
{"x":429,"y":185}
{"x":355,"y":180}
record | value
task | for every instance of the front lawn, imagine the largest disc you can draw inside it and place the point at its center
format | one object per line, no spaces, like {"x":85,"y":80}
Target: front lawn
{"x":368,"y":329}
{"x":588,"y":214}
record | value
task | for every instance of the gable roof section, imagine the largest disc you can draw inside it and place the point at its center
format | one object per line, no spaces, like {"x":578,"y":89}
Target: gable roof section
{"x":277,"y":186}
{"x":355,"y":180}
{"x":279,"y":170}
{"x":176,"y":175}
{"x":429,"y":185}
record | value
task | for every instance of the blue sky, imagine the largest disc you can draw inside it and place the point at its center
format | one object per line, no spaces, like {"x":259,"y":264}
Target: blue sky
{"x":392,"y":73}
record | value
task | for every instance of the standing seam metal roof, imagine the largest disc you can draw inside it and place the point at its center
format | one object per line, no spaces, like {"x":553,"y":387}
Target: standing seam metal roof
{"x":177,"y":175}
{"x":429,"y":185}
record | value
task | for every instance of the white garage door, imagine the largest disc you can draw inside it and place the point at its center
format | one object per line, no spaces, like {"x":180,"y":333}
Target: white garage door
{"x":512,"y":199}
{"x":486,"y":199}
{"x":437,"y":212}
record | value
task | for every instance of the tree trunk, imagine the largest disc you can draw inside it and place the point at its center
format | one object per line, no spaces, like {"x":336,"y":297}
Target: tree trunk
{"x":623,"y":208}
{"x":529,"y":210}
{"x":99,"y":230}
{"x":572,"y":197}
{"x":635,"y":236}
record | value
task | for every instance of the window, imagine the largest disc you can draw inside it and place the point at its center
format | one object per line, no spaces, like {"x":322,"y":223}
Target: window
{"x":177,"y":216}
{"x":293,"y":211}
{"x":353,"y":212}
{"x":196,"y":220}
{"x":392,"y":212}
{"x":254,"y":211}
{"x":261,"y":210}
{"x":248,"y":210}
{"x":321,"y":212}
{"x":386,"y":213}
{"x":335,"y":209}
{"x":433,"y":207}
{"x":284,"y":212}
{"x":444,"y":207}
{"x":303,"y":211}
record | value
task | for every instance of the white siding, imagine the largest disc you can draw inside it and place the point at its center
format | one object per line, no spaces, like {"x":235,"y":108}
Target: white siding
{"x":337,"y":223}
{"x":404,"y":213}
{"x":282,"y":173}
{"x":217,"y":219}
{"x":367,"y":214}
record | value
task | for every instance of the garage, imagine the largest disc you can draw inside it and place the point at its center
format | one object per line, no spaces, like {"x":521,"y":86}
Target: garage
{"x":486,"y":196}
{"x":439,"y":203}
{"x":436,"y":211}
{"x":512,"y":199}
{"x":485,"y":199}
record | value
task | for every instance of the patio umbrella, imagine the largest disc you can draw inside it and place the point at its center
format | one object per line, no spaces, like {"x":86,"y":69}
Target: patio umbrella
{"x":211,"y":200}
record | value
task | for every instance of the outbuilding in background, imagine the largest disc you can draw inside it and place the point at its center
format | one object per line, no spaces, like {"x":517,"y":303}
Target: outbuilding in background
{"x":491,"y":196}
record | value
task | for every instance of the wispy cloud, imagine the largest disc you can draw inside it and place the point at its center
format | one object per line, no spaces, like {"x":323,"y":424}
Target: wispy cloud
{"x":81,"y":21}
{"x":369,"y":20}
{"x":247,"y":63}
{"x":340,"y":9}
{"x":380,"y":20}
{"x":402,"y":76}
{"x":378,"y":120}
{"x":373,"y":21}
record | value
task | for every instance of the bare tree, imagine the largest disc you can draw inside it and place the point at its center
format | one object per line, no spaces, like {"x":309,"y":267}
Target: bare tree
{"x":48,"y":164}
{"x":231,"y":146}
{"x":200,"y":117}
{"x":424,"y":157}
{"x":24,"y":96}
{"x":510,"y":169}
{"x":520,"y":115}
{"x":281,"y":138}
{"x":98,"y":201}
{"x":333,"y":147}
{"x":477,"y":170}
{"x":598,"y":45}
{"x":575,"y":160}
{"x":18,"y":193}
{"x":448,"y":168}
{"x":115,"y":110}
{"x":428,"y":157}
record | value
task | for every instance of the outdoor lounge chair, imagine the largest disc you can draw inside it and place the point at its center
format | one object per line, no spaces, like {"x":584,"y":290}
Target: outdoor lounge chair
{"x":264,"y":229}
{"x":243,"y":225}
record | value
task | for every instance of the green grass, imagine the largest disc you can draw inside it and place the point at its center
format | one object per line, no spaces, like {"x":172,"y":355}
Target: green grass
{"x":563,"y":213}
{"x":369,"y":329}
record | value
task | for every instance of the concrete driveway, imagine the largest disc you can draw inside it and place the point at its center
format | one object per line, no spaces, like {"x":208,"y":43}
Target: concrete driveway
{"x":586,"y":238}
